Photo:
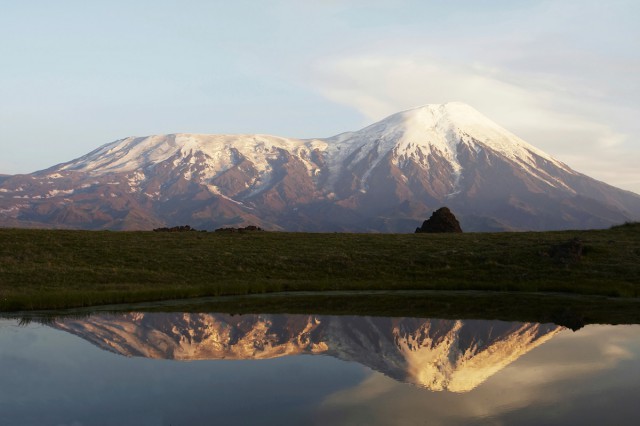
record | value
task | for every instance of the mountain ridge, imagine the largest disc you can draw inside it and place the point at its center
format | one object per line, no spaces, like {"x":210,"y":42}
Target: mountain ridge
{"x":386,"y":177}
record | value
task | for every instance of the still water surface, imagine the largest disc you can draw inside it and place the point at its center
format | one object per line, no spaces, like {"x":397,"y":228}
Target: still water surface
{"x":191,"y":369}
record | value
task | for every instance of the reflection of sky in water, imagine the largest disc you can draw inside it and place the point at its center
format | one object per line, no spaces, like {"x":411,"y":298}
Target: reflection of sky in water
{"x":51,"y":377}
{"x":588,"y":377}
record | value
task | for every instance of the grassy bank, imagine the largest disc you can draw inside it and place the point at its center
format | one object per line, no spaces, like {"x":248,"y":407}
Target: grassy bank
{"x":46,"y":269}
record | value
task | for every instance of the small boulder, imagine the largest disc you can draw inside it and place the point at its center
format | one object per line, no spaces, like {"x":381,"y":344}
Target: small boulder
{"x":442,"y":220}
{"x":569,"y":252}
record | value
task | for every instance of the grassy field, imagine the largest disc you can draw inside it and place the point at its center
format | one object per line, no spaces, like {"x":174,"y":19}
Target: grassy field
{"x":48,"y":269}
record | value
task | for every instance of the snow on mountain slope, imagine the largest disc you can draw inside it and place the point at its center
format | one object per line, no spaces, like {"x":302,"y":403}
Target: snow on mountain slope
{"x":436,"y":354}
{"x":220,"y":151}
{"x":414,"y":134}
{"x":429,"y":130}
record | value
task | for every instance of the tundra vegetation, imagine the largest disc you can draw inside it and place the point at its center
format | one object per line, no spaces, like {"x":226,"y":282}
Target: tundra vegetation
{"x":58,"y":269}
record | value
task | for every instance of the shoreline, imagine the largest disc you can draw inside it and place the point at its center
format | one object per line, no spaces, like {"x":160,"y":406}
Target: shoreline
{"x":49,"y":269}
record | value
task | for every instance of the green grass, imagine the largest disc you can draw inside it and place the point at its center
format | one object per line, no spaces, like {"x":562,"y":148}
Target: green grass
{"x":53,"y":269}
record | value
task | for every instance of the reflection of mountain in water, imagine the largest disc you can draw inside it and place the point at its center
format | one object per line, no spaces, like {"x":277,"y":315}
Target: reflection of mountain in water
{"x":436,"y":354}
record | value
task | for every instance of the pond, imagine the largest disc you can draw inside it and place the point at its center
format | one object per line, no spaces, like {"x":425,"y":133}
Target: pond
{"x":199,"y":369}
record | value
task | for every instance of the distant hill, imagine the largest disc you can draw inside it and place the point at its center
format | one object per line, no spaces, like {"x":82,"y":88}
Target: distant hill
{"x":387,"y":177}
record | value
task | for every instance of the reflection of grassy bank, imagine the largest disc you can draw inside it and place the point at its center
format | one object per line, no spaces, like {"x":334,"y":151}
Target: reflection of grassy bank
{"x":569,"y":310}
{"x":56,"y":269}
{"x":573,"y":311}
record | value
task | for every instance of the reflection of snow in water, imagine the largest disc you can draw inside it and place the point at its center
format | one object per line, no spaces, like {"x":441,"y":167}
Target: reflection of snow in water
{"x":436,"y":354}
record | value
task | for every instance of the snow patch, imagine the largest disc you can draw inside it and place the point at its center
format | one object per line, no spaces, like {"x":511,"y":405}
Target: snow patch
{"x":13,"y":211}
{"x":136,"y":178}
{"x":56,"y":192}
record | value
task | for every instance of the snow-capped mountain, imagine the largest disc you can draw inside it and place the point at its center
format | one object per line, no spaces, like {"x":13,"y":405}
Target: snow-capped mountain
{"x":386,"y":177}
{"x":436,"y":354}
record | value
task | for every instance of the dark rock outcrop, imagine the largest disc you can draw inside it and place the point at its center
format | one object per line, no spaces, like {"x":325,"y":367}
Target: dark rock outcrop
{"x":442,"y":220}
{"x":250,"y":228}
{"x":183,"y":228}
{"x":568,"y":318}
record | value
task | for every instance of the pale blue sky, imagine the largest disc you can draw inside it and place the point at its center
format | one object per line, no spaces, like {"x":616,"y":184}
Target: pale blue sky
{"x":564,"y":74}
